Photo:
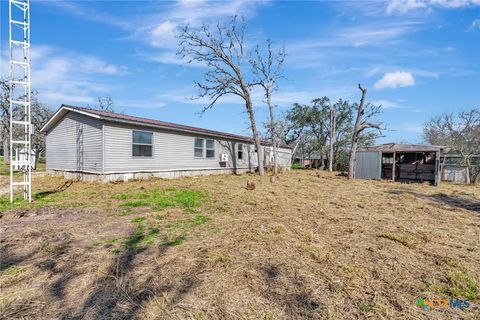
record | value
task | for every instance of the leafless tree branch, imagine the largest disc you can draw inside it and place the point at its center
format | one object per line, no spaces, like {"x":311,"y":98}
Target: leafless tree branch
{"x":222,"y":50}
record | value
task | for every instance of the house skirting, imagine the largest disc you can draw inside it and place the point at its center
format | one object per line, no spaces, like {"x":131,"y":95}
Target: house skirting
{"x":126,"y":176}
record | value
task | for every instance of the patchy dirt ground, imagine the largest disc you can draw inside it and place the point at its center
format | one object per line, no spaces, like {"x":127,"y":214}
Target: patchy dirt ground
{"x":309,"y":246}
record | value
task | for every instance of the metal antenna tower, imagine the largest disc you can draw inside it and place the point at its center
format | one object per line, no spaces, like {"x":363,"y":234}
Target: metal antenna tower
{"x":20,"y":96}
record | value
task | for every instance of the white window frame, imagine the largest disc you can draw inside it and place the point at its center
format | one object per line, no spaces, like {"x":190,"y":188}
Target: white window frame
{"x":242,"y":151}
{"x":207,"y":149}
{"x":143,"y":144}
{"x":195,"y":148}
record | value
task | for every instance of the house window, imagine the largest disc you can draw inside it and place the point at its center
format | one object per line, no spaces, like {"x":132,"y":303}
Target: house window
{"x":198,"y":149}
{"x":142,"y":145}
{"x":210,"y":147}
{"x":240,"y":151}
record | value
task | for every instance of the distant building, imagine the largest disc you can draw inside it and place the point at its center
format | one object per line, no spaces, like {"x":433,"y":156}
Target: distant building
{"x":399,"y":162}
{"x":310,"y":160}
{"x":453,"y":169}
{"x":89,"y":144}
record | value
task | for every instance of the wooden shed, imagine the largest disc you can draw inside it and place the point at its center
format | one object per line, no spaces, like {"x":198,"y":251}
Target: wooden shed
{"x":399,"y":162}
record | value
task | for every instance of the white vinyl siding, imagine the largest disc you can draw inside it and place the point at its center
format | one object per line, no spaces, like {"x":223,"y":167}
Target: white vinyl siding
{"x":75,"y":144}
{"x":171,"y":151}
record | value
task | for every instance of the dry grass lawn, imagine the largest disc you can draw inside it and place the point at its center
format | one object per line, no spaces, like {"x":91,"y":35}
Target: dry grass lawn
{"x":309,"y":246}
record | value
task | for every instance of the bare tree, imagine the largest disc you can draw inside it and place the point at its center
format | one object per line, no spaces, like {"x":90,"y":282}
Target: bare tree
{"x":363,"y":121}
{"x":223,"y":51}
{"x":459,"y":132}
{"x":39,"y":116}
{"x":5,"y":118}
{"x":268,"y":71}
{"x":104,"y":104}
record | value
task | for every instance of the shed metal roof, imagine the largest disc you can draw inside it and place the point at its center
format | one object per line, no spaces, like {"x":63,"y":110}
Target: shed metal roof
{"x":399,"y":147}
{"x":123,"y":118}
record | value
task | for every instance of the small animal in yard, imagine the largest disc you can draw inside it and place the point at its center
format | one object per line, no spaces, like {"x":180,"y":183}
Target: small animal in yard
{"x":272,"y":179}
{"x":250,"y":185}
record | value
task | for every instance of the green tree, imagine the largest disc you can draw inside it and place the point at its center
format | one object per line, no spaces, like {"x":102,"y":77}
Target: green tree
{"x":310,"y":122}
{"x":309,"y":125}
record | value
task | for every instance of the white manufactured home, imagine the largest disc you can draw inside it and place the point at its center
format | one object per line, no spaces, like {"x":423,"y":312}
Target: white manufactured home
{"x":93,"y":145}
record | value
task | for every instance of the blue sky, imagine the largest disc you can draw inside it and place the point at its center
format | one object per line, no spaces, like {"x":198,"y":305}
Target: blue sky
{"x":416,"y":57}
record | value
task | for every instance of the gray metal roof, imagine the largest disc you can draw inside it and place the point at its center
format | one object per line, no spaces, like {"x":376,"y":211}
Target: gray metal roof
{"x":399,"y":147}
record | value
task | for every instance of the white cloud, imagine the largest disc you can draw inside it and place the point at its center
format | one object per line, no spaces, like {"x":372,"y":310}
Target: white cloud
{"x":150,"y":103}
{"x":405,"y":6}
{"x":91,"y":64}
{"x":475,"y":25}
{"x":373,"y":35}
{"x":386,"y":104}
{"x":88,"y":12}
{"x":163,"y":34}
{"x":357,"y":36}
{"x":283,"y":98}
{"x":325,"y":51}
{"x":395,"y":79}
{"x":377,"y":70}
{"x":68,"y":77}
{"x":158,"y":27}
{"x":158,"y":24}
{"x":171,"y":57}
{"x":454,"y":4}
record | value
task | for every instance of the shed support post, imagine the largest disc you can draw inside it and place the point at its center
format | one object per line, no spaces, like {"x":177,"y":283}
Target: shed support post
{"x":393,"y":166}
{"x":438,"y":170}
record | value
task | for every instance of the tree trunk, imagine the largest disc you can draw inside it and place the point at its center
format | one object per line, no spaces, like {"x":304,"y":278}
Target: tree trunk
{"x":302,"y":159}
{"x":356,"y":131}
{"x":332,"y":137}
{"x":352,"y":160}
{"x":37,"y":155}
{"x":468,"y":171}
{"x":273,"y":133}
{"x":275,"y":158}
{"x":6,"y":151}
{"x":292,"y":159}
{"x":256,"y":138}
